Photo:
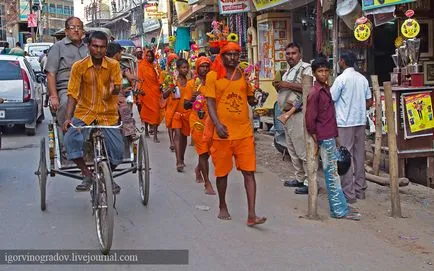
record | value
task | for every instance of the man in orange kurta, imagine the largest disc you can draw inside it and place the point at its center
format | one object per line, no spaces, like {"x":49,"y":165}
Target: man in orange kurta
{"x":171,"y":104}
{"x":177,"y":115}
{"x":150,"y":96}
{"x":228,"y":96}
{"x":196,"y":88}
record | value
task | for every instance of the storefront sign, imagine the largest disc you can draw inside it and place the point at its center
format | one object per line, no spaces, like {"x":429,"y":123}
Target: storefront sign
{"x":233,"y":6}
{"x":419,"y":111}
{"x":24,"y":10}
{"x":150,"y":25}
{"x":262,"y":4}
{"x":371,"y":4}
{"x":151,"y":11}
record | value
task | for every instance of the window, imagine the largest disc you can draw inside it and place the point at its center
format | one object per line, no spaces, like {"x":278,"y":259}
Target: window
{"x":66,"y":10}
{"x":72,"y":10}
{"x":10,"y":70}
{"x":59,"y":9}
{"x":52,"y":8}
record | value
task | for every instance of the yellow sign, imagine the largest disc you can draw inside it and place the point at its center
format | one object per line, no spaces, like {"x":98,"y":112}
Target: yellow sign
{"x":410,"y":28}
{"x":151,"y":12}
{"x":362,"y":32}
{"x":264,"y":4}
{"x":419,"y":112}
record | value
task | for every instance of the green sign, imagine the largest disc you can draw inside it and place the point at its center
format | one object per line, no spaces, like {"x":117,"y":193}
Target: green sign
{"x":371,"y":4}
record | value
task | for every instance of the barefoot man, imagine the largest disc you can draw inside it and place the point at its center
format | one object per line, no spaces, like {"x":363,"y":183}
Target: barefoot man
{"x":195,"y":87}
{"x":150,"y":99}
{"x":228,"y":96}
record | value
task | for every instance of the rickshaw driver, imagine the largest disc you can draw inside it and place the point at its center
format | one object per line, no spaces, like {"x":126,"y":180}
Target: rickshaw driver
{"x":90,"y":100}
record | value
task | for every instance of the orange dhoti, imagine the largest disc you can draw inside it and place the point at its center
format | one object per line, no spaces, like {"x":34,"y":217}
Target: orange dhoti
{"x":201,"y":145}
{"x":181,"y":121}
{"x":223,"y":152}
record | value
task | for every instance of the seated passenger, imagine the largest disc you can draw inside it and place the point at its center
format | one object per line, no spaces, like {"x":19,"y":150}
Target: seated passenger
{"x":114,"y":51}
{"x":90,"y":99}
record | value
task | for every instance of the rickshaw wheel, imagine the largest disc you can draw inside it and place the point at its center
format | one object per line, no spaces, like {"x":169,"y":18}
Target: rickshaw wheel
{"x":143,"y":169}
{"x":42,"y":173}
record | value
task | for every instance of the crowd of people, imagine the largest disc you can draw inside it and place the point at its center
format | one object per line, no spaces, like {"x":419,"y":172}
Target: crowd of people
{"x":210,"y":103}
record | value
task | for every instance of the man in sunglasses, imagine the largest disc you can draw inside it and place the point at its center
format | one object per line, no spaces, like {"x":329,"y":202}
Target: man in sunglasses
{"x":59,"y":62}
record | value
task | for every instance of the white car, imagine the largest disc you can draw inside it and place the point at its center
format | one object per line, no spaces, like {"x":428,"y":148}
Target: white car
{"x":37,"y":48}
{"x":22,"y":92}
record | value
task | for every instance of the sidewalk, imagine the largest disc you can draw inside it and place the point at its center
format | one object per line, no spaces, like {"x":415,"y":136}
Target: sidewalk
{"x":412,"y":235}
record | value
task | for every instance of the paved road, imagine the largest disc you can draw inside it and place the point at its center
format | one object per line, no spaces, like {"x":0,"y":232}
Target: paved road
{"x":171,"y":221}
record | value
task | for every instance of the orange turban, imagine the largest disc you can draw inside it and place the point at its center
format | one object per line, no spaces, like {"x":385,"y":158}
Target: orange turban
{"x":217,"y":65}
{"x":201,"y":60}
{"x":170,"y":58}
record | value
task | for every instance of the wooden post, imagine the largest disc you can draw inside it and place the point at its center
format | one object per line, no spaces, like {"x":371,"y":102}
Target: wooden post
{"x":378,"y":125}
{"x":312,"y":160}
{"x":393,"y":154}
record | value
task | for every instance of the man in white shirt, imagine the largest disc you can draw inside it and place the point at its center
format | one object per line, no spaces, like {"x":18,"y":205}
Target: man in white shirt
{"x":352,"y":96}
{"x":290,"y":89}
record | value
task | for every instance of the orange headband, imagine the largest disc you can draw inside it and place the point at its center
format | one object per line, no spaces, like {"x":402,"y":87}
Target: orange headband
{"x":230,"y":46}
{"x":201,"y":60}
{"x":170,"y":58}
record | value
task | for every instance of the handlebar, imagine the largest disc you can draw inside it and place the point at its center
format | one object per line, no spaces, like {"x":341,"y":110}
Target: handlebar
{"x":96,"y":126}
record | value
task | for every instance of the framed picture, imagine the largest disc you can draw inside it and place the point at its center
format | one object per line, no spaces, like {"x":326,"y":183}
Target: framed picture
{"x":426,"y":36}
{"x":428,"y":72}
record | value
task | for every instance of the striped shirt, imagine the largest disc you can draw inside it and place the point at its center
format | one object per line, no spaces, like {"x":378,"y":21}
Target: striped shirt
{"x":90,"y":87}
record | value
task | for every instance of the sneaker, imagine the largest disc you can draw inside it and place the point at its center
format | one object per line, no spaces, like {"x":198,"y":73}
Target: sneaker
{"x":116,"y":188}
{"x":85,"y":185}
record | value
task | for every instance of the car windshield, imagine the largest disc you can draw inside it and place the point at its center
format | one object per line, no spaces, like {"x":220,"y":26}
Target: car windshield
{"x":36,"y":66}
{"x":10,"y":70}
{"x":38,"y":50}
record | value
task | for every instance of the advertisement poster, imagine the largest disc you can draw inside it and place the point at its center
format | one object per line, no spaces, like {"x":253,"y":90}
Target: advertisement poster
{"x":383,"y":114}
{"x":233,"y":6}
{"x":24,"y":10}
{"x":152,"y":12}
{"x":371,"y":4}
{"x":419,"y":111}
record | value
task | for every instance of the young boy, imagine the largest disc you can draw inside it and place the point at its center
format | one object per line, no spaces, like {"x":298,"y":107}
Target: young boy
{"x":321,"y":124}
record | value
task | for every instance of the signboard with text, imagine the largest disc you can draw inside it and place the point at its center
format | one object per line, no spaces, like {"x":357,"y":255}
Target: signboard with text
{"x":261,"y":4}
{"x":233,"y":6}
{"x":24,"y":10}
{"x":372,"y":4}
{"x":151,"y":11}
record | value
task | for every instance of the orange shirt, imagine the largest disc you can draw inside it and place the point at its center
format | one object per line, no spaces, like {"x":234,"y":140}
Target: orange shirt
{"x":231,"y":104}
{"x":193,"y":87}
{"x":183,"y":90}
{"x":90,"y":86}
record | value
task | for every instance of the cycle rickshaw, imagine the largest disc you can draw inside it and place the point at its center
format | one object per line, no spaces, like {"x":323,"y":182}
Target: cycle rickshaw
{"x":135,"y":160}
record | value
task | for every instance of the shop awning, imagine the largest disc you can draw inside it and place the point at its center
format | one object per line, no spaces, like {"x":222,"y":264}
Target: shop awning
{"x":190,"y":12}
{"x":117,"y":19}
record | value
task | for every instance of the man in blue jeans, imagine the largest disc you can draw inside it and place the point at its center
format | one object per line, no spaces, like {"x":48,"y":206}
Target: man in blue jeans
{"x":321,"y":124}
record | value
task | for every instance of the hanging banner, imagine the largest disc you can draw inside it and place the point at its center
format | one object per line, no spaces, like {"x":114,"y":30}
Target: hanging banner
{"x":419,"y":111}
{"x":152,"y":12}
{"x":371,"y":4}
{"x":32,"y":20}
{"x":233,"y":6}
{"x":24,"y":10}
{"x":260,"y":4}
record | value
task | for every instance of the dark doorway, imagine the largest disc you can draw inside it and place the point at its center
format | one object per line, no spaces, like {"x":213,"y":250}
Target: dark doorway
{"x":384,"y":47}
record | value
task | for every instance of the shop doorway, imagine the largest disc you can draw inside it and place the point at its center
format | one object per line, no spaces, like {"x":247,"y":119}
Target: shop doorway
{"x":384,"y":47}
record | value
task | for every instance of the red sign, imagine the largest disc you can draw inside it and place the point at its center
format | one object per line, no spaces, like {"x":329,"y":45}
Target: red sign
{"x":233,"y":6}
{"x":32,"y":20}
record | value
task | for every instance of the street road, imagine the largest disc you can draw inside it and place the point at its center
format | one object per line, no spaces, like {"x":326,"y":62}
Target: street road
{"x":171,"y":220}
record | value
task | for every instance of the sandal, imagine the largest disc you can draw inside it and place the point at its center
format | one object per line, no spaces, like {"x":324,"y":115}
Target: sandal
{"x":256,"y":221}
{"x":85,"y":185}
